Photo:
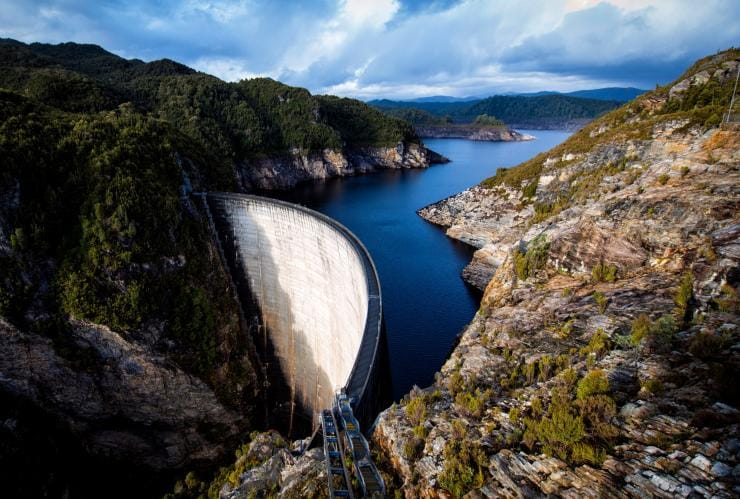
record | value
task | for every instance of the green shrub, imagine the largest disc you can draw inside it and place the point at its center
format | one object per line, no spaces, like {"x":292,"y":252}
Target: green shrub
{"x":593,"y":383}
{"x":530,"y":190}
{"x":663,"y":178}
{"x":413,"y":448}
{"x":652,"y":385}
{"x":599,"y":344}
{"x":534,"y":258}
{"x":640,"y":329}
{"x":544,"y":366}
{"x":416,"y":410}
{"x":463,"y":465}
{"x":472,"y":403}
{"x":728,"y":301}
{"x":558,"y":432}
{"x":514,"y":415}
{"x":683,"y":299}
{"x":536,"y":407}
{"x":601,"y":300}
{"x":604,"y":272}
{"x":455,"y":383}
{"x":597,"y":412}
{"x":576,"y":432}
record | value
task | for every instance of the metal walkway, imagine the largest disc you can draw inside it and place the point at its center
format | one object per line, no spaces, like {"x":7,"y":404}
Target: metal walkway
{"x":339,"y":483}
{"x":371,"y":482}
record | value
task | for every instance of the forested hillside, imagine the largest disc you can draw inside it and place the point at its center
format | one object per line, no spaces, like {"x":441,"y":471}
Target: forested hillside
{"x":542,"y":111}
{"x":117,"y":323}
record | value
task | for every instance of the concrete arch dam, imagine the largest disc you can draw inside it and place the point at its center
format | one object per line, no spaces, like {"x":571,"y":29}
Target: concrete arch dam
{"x":312,"y":291}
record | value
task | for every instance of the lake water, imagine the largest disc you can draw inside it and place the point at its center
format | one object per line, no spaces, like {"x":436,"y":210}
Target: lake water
{"x":426,"y":303}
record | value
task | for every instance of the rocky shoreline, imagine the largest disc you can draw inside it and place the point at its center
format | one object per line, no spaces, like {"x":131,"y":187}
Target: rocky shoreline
{"x":285,"y":172}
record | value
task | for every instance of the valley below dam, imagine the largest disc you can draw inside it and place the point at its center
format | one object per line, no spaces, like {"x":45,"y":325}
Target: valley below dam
{"x":425,"y":301}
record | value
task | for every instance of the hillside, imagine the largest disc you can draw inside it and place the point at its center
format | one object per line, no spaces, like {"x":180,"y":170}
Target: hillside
{"x":601,"y":360}
{"x":238,"y":124}
{"x":536,"y":112}
{"x":122,"y":350}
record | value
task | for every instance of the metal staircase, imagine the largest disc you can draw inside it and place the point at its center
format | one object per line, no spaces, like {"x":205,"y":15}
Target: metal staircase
{"x":371,"y":482}
{"x":339,"y":483}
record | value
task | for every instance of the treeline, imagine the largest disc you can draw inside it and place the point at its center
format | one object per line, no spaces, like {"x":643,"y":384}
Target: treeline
{"x":235,"y":120}
{"x":510,"y":109}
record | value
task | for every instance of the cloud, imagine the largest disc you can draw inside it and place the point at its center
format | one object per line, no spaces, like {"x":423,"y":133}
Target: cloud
{"x":398,"y":48}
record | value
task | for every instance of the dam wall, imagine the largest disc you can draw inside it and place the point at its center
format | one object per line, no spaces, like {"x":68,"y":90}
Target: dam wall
{"x":313,"y":289}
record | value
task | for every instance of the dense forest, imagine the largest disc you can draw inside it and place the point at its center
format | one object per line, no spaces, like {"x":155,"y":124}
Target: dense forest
{"x":531,"y":110}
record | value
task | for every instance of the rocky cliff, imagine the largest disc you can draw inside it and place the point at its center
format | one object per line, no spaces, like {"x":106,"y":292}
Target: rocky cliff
{"x":604,"y":357}
{"x":471,"y":132}
{"x":285,"y":171}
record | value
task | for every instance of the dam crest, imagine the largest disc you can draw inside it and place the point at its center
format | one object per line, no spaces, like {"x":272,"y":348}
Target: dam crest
{"x":310,"y":292}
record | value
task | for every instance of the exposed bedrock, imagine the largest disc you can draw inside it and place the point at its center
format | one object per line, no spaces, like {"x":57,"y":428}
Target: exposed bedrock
{"x":283,"y":172}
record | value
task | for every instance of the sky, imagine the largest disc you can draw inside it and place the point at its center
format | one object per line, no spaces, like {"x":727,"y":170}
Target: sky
{"x":398,"y":48}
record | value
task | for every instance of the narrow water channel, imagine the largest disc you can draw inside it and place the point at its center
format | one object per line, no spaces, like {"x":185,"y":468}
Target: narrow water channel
{"x":426,"y":303}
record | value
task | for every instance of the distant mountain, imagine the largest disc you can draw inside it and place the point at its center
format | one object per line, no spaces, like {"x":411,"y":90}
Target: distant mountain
{"x":621,"y":94}
{"x":442,"y":98}
{"x":552,"y":111}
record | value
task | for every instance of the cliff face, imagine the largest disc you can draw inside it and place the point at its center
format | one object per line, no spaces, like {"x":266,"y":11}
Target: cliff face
{"x":492,"y":134}
{"x":125,"y":401}
{"x":283,"y":172}
{"x":602,"y":360}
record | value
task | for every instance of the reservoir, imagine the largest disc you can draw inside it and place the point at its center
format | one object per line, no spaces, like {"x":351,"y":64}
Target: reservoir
{"x":425,"y":301}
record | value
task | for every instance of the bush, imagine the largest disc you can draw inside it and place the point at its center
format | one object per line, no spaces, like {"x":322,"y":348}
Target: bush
{"x":473,"y":403}
{"x":659,"y":332}
{"x":514,"y":415}
{"x":728,"y":301}
{"x":416,"y":410}
{"x":652,"y":385}
{"x":575,"y":432}
{"x":413,"y":448}
{"x":529,"y":190}
{"x":534,"y":258}
{"x":663,"y":178}
{"x":593,"y":383}
{"x":604,"y":272}
{"x":464,"y":462}
{"x":558,"y":433}
{"x":640,"y":329}
{"x":455,"y":383}
{"x":601,"y":300}
{"x":684,"y":298}
{"x":599,"y":344}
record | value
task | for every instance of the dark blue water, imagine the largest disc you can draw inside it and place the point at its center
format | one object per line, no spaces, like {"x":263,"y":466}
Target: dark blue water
{"x":426,"y":303}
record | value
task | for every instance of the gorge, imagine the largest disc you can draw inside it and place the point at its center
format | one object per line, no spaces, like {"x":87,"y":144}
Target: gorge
{"x":148,"y":333}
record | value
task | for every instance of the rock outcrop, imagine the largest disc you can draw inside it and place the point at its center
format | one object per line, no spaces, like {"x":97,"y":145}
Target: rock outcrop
{"x":283,"y":172}
{"x":163,"y":413}
{"x":471,"y":132}
{"x":601,"y":359}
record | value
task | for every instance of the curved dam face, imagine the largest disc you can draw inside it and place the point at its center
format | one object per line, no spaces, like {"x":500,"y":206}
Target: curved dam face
{"x":311,"y":288}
